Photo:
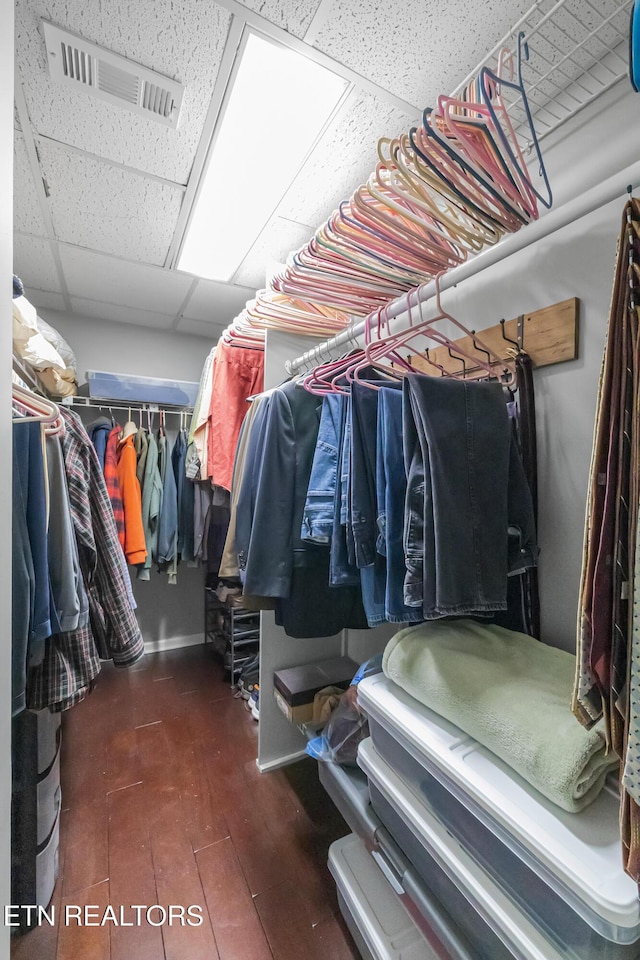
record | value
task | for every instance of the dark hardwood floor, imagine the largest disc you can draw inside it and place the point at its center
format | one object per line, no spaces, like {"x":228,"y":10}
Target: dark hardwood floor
{"x":163,"y":804}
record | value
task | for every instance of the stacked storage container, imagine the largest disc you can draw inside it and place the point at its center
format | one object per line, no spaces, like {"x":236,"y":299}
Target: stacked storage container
{"x":543,"y":884}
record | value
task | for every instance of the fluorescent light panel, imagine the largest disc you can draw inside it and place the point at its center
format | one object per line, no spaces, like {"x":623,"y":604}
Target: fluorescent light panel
{"x":278,"y":105}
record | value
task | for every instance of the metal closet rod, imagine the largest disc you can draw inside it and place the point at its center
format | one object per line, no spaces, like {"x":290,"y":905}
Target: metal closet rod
{"x":598,"y":196}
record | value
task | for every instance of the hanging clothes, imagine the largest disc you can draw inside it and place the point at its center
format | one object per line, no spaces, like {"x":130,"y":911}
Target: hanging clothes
{"x":141,"y":446}
{"x":276,"y":562}
{"x":151,"y":507}
{"x":229,"y":561}
{"x":134,"y":543}
{"x":391,"y":492}
{"x":186,"y":504}
{"x":72,"y":658}
{"x":198,"y":444}
{"x":607,"y":682}
{"x":30,"y":475}
{"x":465,"y":490}
{"x":69,"y":601}
{"x":23,"y":582}
{"x":112,"y":481}
{"x":168,"y":526}
{"x":238,"y":373}
{"x":99,"y":432}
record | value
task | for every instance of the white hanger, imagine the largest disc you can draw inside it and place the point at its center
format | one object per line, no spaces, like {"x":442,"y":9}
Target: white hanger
{"x":40,"y":410}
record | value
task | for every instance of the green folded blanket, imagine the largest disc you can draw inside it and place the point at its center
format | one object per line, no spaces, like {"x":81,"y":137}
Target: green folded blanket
{"x":510,"y":693}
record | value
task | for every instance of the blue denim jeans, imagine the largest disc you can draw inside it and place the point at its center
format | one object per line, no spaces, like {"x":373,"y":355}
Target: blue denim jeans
{"x":458,"y":444}
{"x":365,"y":403}
{"x":391,"y":485}
{"x":364,"y":419}
{"x":342,"y":568}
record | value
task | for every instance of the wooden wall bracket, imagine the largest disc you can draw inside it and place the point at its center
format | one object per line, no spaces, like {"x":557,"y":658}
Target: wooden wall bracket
{"x":549,"y":335}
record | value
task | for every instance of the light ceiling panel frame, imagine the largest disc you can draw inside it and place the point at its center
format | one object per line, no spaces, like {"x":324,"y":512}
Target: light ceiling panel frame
{"x":577,"y":52}
{"x":222,"y":95}
{"x":244,"y":18}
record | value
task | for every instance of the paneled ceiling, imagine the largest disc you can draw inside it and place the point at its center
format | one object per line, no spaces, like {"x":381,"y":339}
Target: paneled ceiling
{"x":102,"y":194}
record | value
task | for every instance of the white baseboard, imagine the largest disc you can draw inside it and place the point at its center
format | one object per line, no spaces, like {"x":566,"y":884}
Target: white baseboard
{"x":280,"y":761}
{"x":173,"y":643}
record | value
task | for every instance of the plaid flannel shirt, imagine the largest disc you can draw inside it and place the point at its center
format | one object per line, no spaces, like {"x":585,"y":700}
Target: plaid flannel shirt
{"x":72,"y":659}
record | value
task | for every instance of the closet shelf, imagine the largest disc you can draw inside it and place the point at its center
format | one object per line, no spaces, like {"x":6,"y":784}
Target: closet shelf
{"x":92,"y":403}
{"x":577,"y":51}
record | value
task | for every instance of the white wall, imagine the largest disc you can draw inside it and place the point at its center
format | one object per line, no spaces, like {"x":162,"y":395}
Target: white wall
{"x":6,"y":260}
{"x":124,"y":348}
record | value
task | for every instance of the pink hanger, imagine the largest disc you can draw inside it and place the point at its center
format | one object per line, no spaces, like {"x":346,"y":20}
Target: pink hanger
{"x":425,"y":328}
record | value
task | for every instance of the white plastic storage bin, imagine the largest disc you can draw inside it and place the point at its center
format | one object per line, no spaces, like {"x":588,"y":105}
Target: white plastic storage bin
{"x":349,"y":789}
{"x":436,"y":851}
{"x":46,"y":871}
{"x":379,"y":924}
{"x":49,"y":800}
{"x":49,"y":734}
{"x":577,"y":855}
{"x":133,"y":389}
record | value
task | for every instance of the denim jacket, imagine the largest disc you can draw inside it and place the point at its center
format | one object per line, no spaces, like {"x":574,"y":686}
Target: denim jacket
{"x":317,"y":518}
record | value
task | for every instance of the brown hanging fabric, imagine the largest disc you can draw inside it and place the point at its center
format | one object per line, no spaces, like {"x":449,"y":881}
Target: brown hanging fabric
{"x":605,"y":618}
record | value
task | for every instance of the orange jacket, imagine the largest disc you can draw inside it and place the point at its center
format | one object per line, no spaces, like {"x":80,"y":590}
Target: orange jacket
{"x":135,"y":549}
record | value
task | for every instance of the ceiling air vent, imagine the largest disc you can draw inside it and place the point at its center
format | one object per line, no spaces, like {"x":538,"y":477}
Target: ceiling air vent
{"x":78,"y":63}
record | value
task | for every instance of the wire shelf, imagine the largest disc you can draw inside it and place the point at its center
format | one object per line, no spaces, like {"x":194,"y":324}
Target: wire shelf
{"x":578,"y":49}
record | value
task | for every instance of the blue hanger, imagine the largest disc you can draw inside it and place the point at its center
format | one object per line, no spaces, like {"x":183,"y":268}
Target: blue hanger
{"x":523,"y":53}
{"x":465,"y":201}
{"x":499,"y":197}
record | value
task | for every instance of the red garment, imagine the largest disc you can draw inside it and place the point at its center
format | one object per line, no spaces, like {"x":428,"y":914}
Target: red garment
{"x":112,"y":481}
{"x":238,"y":373}
{"x":135,"y":549}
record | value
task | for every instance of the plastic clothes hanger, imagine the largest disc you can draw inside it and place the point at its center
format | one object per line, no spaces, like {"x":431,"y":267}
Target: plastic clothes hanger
{"x":34,"y":408}
{"x":481,"y":148}
{"x":129,"y":430}
{"x":358,"y":371}
{"x":425,"y":328}
{"x":509,"y":141}
{"x":452,"y":219}
{"x":472,"y":183}
{"x":455,"y":183}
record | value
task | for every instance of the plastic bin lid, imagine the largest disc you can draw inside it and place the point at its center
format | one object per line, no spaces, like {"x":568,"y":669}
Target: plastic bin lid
{"x":510,"y":924}
{"x":385,"y":926}
{"x":577,"y":853}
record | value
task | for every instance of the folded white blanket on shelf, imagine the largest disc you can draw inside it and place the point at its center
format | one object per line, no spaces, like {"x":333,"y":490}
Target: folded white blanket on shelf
{"x":512,"y":694}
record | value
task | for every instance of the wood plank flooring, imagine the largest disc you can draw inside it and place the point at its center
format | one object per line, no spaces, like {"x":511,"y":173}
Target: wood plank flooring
{"x":163,"y":804}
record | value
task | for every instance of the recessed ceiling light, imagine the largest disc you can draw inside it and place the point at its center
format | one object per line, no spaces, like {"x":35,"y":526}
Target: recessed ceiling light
{"x":278,"y":103}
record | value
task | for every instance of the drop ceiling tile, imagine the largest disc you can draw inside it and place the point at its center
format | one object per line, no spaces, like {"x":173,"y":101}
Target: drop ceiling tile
{"x":292,"y":15}
{"x":417,"y":49}
{"x":96,"y":205}
{"x":213,"y":302}
{"x":343,"y":158}
{"x":121,"y":314}
{"x":278,"y":239}
{"x":33,"y":262}
{"x":183,"y":41}
{"x":95,"y":276}
{"x":200,"y":328}
{"x":44,"y":300}
{"x":26,"y":210}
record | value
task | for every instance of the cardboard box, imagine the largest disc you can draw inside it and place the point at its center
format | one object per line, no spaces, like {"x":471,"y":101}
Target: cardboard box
{"x":295,"y":687}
